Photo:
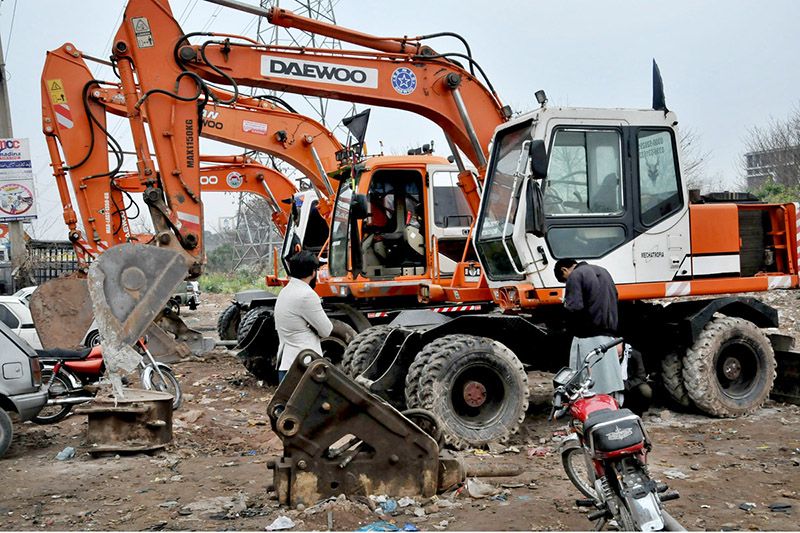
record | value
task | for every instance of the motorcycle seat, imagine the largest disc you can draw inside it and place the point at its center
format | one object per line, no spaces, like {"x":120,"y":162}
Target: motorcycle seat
{"x":64,"y":355}
{"x":605,"y":415}
{"x":609,"y":430}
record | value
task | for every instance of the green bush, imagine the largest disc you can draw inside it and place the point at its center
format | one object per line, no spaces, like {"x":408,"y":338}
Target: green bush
{"x":776,"y":193}
{"x":233,"y":282}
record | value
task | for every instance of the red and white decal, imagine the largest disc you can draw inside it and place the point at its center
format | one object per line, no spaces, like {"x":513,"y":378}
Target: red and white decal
{"x":779,"y":282}
{"x":63,"y":116}
{"x":250,"y":126}
{"x":455,"y":309}
{"x":680,"y":288}
{"x":189,"y":221}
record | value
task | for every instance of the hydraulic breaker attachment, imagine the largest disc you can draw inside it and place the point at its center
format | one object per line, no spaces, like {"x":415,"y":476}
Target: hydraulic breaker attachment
{"x":129,"y":285}
{"x":786,"y":387}
{"x":340,"y":439}
{"x":62,"y":312}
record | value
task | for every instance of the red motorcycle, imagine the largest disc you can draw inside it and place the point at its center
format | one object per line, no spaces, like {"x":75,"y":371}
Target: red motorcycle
{"x":606,"y":455}
{"x":72,"y":376}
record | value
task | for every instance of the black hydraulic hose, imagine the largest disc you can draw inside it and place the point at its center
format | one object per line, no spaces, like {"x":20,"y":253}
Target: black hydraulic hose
{"x":457,"y":36}
{"x":471,"y":62}
{"x":279,"y":101}
{"x":218,"y":71}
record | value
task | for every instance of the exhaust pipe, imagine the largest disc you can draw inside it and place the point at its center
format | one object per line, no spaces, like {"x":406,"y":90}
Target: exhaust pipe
{"x":73,"y":401}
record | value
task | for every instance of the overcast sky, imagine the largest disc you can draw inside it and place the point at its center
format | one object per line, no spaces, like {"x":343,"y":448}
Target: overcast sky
{"x":727,"y":65}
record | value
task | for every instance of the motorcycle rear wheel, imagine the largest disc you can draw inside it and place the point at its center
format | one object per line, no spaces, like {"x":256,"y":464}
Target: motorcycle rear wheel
{"x":50,"y":414}
{"x":625,"y":519}
{"x":577,"y":469}
{"x":152,"y":381}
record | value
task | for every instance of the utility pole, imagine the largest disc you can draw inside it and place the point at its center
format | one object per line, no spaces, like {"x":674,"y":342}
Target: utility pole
{"x":16,"y":237}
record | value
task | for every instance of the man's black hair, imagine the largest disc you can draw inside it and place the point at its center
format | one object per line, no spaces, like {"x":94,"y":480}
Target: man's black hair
{"x":563,"y":263}
{"x":303,"y":264}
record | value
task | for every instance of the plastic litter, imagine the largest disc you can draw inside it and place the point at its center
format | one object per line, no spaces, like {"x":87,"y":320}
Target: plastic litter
{"x":747,"y":506}
{"x":405,"y":502}
{"x":675,"y":474}
{"x":389,"y":505}
{"x":66,"y":453}
{"x":280,"y":523}
{"x":410,"y":527}
{"x":479,"y":489}
{"x":539,"y":451}
{"x":379,"y":526}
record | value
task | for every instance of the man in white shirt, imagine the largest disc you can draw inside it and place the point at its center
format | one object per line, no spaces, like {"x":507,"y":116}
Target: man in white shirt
{"x":299,"y":318}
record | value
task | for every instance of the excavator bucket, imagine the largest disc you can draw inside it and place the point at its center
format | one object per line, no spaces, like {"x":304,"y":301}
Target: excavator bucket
{"x":129,"y":286}
{"x":62,"y":312}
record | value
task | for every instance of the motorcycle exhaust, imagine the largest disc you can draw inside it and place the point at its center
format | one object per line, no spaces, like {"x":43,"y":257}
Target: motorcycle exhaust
{"x":73,"y":401}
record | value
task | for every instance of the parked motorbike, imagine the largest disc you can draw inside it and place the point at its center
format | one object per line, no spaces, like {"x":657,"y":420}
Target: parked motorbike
{"x":606,"y":455}
{"x":72,"y":377}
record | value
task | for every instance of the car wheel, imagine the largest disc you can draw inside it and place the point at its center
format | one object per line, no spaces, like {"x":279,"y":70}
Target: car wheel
{"x":730,"y":369}
{"x":476,"y":387}
{"x":6,"y":431}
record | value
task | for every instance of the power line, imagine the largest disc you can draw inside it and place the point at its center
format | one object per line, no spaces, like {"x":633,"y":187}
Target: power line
{"x":11,"y":30}
{"x":108,"y":41}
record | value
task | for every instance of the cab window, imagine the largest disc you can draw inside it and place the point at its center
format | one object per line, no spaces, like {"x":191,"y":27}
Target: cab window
{"x":450,"y":207}
{"x":584,"y":174}
{"x":659,"y":189}
{"x":8,"y":318}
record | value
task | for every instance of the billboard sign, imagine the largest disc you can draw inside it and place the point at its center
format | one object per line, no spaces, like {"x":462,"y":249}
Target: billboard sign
{"x":17,"y":196}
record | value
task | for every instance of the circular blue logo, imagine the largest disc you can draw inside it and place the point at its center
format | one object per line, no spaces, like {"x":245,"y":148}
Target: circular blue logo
{"x":404,"y":80}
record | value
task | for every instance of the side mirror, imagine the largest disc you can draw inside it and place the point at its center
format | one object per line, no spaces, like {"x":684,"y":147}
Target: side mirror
{"x":359,"y":207}
{"x":538,"y":154}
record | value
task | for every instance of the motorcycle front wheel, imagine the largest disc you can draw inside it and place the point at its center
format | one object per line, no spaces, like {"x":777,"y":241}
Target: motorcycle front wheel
{"x":59,"y":388}
{"x":151,"y":380}
{"x":576,"y":466}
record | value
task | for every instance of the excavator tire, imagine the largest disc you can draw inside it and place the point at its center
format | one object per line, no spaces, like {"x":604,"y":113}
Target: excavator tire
{"x":415,"y":374}
{"x":362,"y":350}
{"x":476,"y":388}
{"x":228,"y":323}
{"x":672,"y":378}
{"x":259,"y":353}
{"x":335,"y":344}
{"x":730,"y":369}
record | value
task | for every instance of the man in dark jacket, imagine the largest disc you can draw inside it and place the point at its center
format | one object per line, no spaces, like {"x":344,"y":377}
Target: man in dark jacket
{"x":591,"y":298}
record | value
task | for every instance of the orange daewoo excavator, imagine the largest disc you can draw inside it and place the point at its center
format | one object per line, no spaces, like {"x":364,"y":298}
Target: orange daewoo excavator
{"x":418,"y":229}
{"x":603,"y":185}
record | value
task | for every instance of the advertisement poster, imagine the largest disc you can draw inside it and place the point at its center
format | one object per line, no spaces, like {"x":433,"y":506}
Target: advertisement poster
{"x":17,"y":200}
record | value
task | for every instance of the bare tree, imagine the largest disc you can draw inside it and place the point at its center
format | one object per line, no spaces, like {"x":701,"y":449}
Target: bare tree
{"x":694,"y":160}
{"x":773,"y":151}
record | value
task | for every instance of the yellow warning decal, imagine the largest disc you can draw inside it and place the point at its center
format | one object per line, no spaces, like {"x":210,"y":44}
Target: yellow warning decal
{"x":56,"y":89}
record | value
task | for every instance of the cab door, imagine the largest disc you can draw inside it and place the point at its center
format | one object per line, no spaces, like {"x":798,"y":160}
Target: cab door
{"x":587,"y":199}
{"x":661,"y":220}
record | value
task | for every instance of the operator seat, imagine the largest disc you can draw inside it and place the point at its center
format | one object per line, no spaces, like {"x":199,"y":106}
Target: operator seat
{"x":606,"y":199}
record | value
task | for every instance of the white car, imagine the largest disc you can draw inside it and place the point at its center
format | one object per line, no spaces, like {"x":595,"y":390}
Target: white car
{"x":25,"y":294}
{"x":15,"y":314}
